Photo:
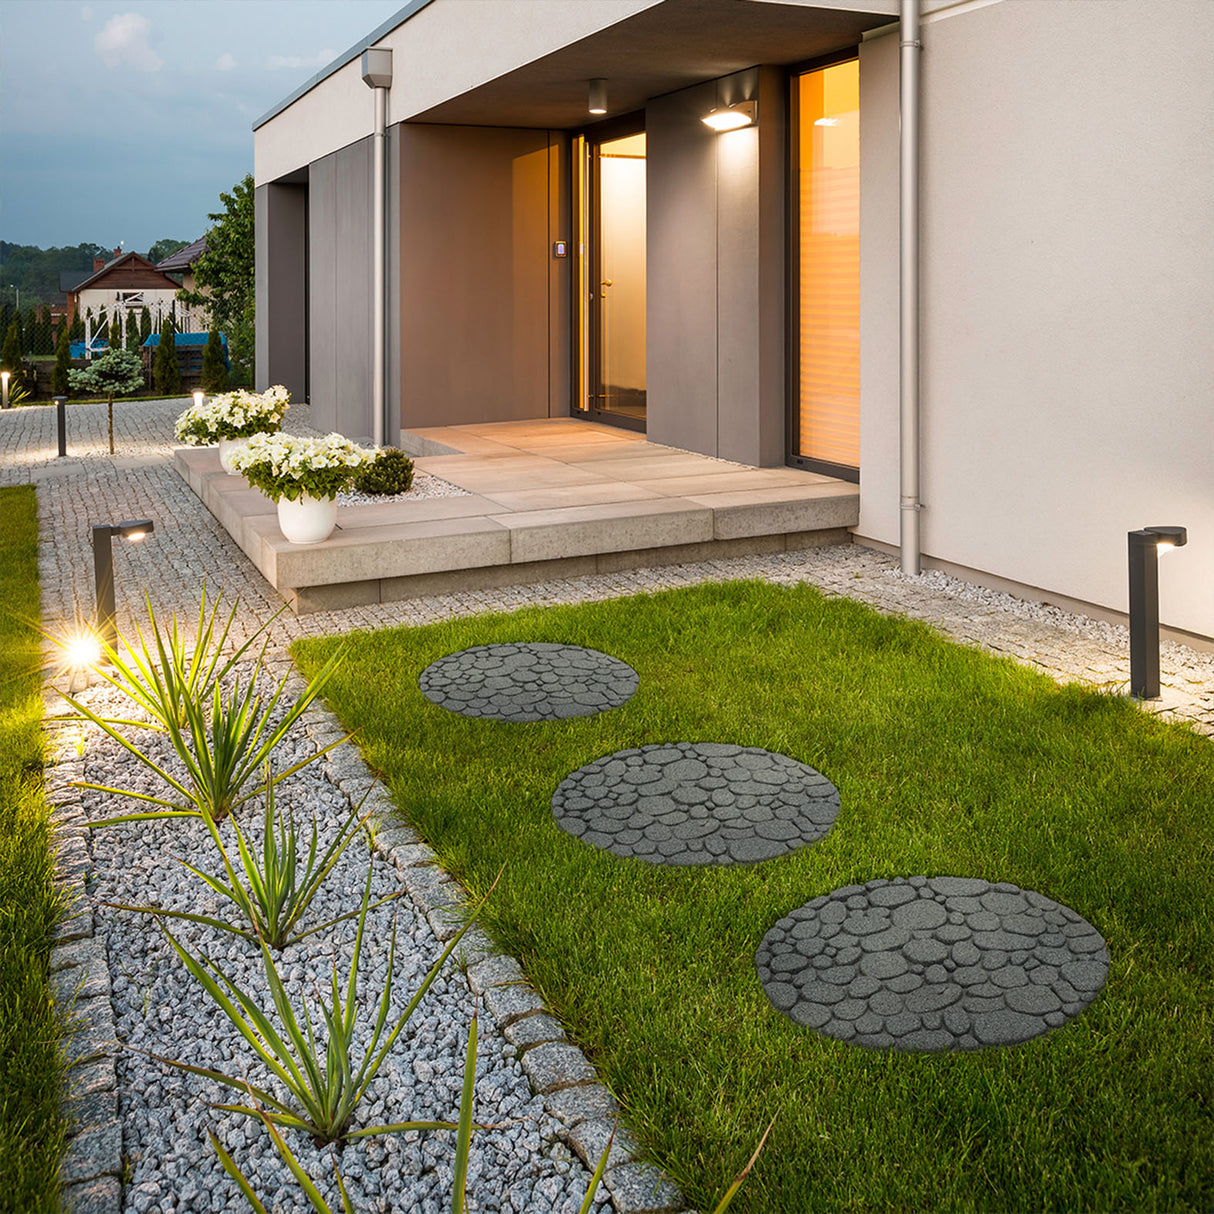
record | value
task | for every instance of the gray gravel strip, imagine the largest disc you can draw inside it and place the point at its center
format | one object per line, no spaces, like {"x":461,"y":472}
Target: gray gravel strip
{"x":940,"y":963}
{"x":529,"y":681}
{"x":696,"y":803}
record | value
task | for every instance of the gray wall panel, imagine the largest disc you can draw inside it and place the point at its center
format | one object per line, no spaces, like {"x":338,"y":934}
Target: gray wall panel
{"x":280,"y":241}
{"x":476,"y":316}
{"x":322,"y":261}
{"x":681,"y":270}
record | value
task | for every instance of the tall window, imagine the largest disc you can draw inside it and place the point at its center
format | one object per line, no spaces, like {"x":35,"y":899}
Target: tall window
{"x":826,"y":295}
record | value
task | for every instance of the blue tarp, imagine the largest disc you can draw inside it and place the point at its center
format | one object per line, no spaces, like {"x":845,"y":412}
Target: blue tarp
{"x":192,"y":339}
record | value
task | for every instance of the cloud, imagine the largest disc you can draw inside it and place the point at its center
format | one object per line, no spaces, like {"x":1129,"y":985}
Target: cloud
{"x":295,"y":62}
{"x":226,"y":62}
{"x":86,"y":12}
{"x":123,"y":42}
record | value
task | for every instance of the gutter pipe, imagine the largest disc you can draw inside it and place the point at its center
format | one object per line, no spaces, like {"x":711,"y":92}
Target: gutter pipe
{"x":910,"y":48}
{"x":377,"y":75}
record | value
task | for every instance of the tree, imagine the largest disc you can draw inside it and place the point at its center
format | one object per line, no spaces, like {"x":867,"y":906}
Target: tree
{"x":10,"y":353}
{"x":116,"y":332}
{"x":77,"y":329}
{"x":214,"y":367}
{"x":30,"y":331}
{"x":225,"y":277}
{"x":145,"y":324}
{"x":166,"y":374}
{"x":63,"y":362}
{"x":116,"y":372}
{"x":132,"y":332}
{"x":165,"y":247}
{"x":44,"y":342}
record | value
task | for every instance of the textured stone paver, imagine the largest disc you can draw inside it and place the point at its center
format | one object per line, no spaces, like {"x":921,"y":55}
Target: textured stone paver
{"x":696,"y":803}
{"x":531,"y":681}
{"x":940,"y":963}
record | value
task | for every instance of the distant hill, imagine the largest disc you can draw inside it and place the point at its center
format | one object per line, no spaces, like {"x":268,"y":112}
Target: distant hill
{"x":35,"y":272}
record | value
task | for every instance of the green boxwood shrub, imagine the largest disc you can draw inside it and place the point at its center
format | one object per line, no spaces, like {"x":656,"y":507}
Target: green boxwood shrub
{"x":391,"y":471}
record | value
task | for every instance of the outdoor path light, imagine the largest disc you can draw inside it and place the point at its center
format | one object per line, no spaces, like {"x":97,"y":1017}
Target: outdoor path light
{"x":1145,"y":546}
{"x":4,"y":378}
{"x":61,"y":422}
{"x":103,"y":571}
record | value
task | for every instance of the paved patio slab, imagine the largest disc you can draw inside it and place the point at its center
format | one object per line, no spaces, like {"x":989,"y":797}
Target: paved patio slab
{"x":551,"y":498}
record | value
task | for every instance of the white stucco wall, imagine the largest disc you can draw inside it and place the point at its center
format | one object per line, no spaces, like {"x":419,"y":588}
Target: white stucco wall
{"x":1067,"y":291}
{"x":444,"y":50}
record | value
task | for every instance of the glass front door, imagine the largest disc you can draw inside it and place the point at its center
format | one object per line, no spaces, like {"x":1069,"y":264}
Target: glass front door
{"x":611,"y":264}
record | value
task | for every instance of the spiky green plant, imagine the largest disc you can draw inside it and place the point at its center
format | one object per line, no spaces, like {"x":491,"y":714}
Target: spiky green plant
{"x":322,"y":1086}
{"x":462,"y":1147}
{"x":224,"y":739}
{"x":271,"y":890}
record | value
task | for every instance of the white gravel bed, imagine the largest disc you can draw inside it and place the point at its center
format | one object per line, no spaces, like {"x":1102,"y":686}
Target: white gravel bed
{"x":425,"y":485}
{"x":520,"y":1165}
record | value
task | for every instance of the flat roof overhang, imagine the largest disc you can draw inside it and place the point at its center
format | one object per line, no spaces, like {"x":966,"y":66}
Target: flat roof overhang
{"x":671,"y":46}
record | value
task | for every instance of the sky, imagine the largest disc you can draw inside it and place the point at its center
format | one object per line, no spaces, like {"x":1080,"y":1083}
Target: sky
{"x":122,"y":122}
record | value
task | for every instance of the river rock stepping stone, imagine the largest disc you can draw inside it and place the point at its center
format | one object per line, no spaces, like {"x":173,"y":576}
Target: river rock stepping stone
{"x":528,"y":682}
{"x":696,"y":803}
{"x":932,"y":963}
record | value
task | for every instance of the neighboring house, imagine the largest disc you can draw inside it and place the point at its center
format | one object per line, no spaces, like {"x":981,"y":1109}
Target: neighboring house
{"x":125,"y":286}
{"x":180,"y":265}
{"x":737,"y":294}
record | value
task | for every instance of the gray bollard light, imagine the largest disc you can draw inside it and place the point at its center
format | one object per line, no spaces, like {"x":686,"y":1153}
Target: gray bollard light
{"x":103,"y":572}
{"x":61,"y":421}
{"x":1144,"y":548}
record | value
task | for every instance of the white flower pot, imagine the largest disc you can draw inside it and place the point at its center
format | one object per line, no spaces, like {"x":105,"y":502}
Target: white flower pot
{"x":307,"y":520}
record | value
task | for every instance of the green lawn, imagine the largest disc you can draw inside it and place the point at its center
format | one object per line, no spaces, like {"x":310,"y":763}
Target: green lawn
{"x":31,"y":1064}
{"x":948,"y":762}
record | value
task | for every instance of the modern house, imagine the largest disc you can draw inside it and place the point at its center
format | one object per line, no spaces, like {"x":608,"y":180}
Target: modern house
{"x":686,"y":216}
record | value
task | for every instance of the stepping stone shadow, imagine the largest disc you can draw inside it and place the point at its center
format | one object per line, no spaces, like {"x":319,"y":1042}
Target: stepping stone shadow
{"x":696,"y":803}
{"x":528,"y":682}
{"x":940,"y":963}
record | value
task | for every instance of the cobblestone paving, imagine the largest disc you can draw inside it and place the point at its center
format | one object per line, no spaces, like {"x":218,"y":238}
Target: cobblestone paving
{"x":189,"y":547}
{"x":696,"y":803}
{"x":528,"y":682}
{"x":933,"y":964}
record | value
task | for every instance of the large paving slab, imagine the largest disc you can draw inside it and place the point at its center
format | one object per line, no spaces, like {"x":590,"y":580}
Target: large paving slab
{"x":550,"y":498}
{"x":939,"y":963}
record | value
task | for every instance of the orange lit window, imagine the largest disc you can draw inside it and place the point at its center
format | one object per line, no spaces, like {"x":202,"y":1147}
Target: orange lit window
{"x":827,"y":429}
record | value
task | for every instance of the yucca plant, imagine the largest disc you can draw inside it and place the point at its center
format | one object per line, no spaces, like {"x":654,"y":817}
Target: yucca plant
{"x":462,"y":1147}
{"x":322,"y":1086}
{"x":271,"y":889}
{"x":223,"y":739}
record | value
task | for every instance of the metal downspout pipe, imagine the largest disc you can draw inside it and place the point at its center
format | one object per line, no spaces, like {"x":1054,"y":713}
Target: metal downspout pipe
{"x":377,"y":75}
{"x":908,"y":303}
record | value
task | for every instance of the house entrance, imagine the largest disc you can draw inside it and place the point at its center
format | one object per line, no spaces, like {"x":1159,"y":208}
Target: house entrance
{"x":610,"y":197}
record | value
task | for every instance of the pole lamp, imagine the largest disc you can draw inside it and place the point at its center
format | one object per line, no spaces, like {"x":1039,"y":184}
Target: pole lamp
{"x":103,"y":571}
{"x":61,"y":422}
{"x":4,"y":378}
{"x":1144,"y":548}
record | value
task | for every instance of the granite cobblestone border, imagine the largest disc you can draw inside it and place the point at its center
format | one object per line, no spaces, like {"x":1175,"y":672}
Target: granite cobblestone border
{"x":557,"y":1069}
{"x":91,"y":1169}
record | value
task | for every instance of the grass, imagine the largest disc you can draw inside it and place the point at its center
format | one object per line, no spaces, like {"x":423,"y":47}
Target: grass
{"x":31,"y":1062}
{"x":948,"y":761}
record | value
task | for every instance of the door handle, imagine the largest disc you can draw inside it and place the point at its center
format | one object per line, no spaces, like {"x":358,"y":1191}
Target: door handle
{"x":606,"y":282}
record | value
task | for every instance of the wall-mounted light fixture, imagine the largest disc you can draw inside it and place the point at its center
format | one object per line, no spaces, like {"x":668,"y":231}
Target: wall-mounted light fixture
{"x":103,"y":571}
{"x":732,"y":117}
{"x":1145,"y":547}
{"x":4,"y":378}
{"x":598,"y":95}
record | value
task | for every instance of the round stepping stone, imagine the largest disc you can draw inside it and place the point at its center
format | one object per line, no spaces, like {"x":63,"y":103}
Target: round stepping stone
{"x":528,"y":682}
{"x":696,"y":803}
{"x":945,"y":963}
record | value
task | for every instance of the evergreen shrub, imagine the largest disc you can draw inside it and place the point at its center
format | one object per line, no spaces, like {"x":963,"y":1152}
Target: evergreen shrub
{"x":391,"y":471}
{"x":214,"y":368}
